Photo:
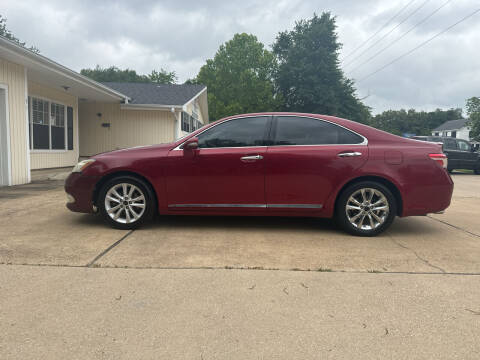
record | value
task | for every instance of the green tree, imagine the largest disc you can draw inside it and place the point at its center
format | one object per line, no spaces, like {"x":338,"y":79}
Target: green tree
{"x":413,"y":122}
{"x":473,"y":111}
{"x":309,"y":76}
{"x":163,"y":77}
{"x":239,"y":78}
{"x":9,"y":35}
{"x":114,"y":74}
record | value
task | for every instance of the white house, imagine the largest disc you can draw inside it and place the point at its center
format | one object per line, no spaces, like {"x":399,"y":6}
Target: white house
{"x":50,"y":115}
{"x":453,"y":128}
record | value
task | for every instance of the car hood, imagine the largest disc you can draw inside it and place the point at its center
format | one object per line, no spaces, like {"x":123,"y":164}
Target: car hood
{"x":136,"y":150}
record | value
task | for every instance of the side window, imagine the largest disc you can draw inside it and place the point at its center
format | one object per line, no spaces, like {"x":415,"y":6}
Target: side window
{"x":235,"y":133}
{"x":292,"y":130}
{"x":450,"y":144}
{"x":463,"y":146}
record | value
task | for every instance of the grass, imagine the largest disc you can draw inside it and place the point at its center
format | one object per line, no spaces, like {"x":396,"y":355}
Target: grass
{"x":463,"y":171}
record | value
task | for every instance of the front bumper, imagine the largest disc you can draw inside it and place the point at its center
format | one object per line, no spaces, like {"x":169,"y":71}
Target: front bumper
{"x":80,"y":190}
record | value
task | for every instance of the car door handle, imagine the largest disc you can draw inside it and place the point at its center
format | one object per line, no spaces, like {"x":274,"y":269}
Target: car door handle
{"x":350,"y":154}
{"x":251,"y":158}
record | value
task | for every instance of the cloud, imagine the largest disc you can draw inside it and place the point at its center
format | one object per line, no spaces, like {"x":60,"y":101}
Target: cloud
{"x":181,"y":35}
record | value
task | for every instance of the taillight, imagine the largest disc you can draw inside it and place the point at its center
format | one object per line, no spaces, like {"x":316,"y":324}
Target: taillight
{"x":440,"y":159}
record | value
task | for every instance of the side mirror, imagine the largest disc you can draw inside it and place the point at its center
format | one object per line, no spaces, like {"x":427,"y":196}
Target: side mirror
{"x":191,"y":144}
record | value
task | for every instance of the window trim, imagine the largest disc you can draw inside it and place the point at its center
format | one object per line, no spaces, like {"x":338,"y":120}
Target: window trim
{"x":30,"y":124}
{"x":270,"y":126}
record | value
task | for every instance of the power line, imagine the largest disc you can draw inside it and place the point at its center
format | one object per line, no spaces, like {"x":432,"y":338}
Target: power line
{"x":401,"y":37}
{"x":388,"y":33}
{"x":420,"y":45}
{"x":378,"y":31}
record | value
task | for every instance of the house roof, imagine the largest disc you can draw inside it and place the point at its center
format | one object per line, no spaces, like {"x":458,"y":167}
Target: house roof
{"x":157,"y":94}
{"x":452,"y":125}
{"x":43,"y":70}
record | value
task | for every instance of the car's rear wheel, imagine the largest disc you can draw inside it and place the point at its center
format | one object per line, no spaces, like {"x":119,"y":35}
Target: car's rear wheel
{"x":366,"y":208}
{"x":126,"y":202}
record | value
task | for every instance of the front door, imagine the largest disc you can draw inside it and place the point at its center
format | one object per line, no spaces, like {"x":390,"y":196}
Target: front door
{"x":226,"y":172}
{"x":307,"y":160}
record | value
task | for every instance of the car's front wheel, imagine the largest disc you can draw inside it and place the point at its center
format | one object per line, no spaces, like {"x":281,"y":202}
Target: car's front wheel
{"x":126,"y":202}
{"x":366,"y":208}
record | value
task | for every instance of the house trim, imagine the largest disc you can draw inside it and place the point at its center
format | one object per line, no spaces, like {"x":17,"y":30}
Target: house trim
{"x":42,"y":61}
{"x":197,"y":95}
{"x":7,"y":134}
{"x":27,"y":133}
{"x":149,"y":107}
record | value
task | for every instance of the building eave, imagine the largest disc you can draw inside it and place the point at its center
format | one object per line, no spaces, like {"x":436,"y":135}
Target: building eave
{"x":150,"y":107}
{"x":27,"y":56}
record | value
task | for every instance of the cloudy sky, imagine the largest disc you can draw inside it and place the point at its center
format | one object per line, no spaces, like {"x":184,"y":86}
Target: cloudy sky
{"x":181,"y":35}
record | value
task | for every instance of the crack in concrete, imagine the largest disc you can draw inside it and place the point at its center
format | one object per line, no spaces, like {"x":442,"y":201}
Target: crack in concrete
{"x":104,"y":252}
{"x":126,"y":267}
{"x":453,"y":226}
{"x":425,"y":261}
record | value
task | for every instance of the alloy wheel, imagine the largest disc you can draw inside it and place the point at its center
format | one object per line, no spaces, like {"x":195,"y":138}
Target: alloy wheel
{"x":125,"y":203}
{"x":367,"y":209}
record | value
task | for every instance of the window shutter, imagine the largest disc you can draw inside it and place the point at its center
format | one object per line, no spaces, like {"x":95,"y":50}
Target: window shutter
{"x":70,"y":127}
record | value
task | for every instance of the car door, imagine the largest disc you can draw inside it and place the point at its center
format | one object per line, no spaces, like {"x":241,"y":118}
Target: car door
{"x":227,"y":171}
{"x":308,"y":158}
{"x":469,"y":158}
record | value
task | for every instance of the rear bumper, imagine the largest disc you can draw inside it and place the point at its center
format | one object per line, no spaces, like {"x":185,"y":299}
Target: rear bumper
{"x":80,"y":189}
{"x":427,"y":198}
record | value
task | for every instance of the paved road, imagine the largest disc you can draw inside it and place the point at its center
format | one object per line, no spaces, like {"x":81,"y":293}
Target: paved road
{"x":410,"y":293}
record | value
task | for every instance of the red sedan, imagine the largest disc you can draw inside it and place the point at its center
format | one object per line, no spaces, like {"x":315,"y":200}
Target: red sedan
{"x":268,"y":164}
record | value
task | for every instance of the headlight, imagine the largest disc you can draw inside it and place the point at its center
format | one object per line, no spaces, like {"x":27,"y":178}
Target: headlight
{"x":82,"y":165}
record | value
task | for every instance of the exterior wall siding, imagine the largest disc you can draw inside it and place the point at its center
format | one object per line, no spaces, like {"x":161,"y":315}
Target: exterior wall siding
{"x":464,"y":133}
{"x":42,"y":159}
{"x":13,"y":76}
{"x":127,"y":128}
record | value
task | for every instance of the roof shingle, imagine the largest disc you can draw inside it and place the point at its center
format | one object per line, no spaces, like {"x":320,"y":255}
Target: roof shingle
{"x":452,"y":125}
{"x":156,"y":94}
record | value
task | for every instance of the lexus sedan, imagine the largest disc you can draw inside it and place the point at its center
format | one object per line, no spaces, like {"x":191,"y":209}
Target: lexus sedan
{"x":268,"y":164}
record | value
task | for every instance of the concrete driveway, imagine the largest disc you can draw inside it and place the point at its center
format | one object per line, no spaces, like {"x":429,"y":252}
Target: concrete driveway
{"x":191,"y":287}
{"x":37,"y":229}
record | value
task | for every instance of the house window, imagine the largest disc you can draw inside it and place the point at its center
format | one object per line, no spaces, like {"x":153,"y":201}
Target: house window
{"x":40,"y":124}
{"x":454,"y":134}
{"x":185,"y":122}
{"x":49,"y":129}
{"x":57,"y":126}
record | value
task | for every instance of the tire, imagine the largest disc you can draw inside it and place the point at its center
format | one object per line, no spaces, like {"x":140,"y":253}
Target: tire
{"x":135,"y":208}
{"x":359,"y":221}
